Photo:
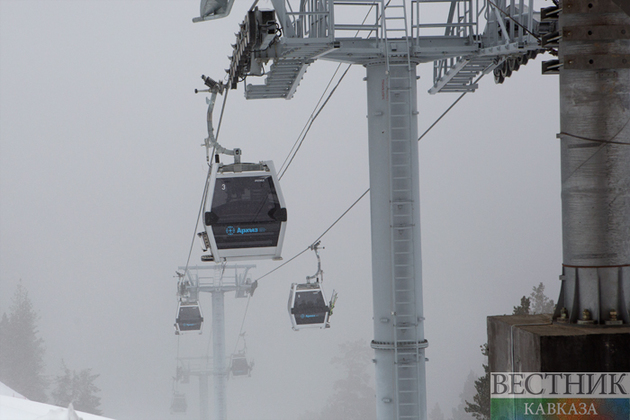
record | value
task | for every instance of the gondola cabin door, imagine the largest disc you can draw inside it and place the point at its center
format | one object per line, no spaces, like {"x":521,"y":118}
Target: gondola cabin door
{"x":245,"y":215}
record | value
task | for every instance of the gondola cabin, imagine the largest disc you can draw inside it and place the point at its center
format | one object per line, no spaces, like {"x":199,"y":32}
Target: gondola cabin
{"x":240,"y":366}
{"x":189,"y":318}
{"x":307,"y":306}
{"x":179,"y":404}
{"x":245,"y":215}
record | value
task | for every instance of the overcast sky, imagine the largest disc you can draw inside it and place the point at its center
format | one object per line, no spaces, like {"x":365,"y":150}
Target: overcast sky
{"x":101,"y":176}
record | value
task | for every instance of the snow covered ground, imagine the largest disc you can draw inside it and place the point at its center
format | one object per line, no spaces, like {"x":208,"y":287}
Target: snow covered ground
{"x":14,"y":406}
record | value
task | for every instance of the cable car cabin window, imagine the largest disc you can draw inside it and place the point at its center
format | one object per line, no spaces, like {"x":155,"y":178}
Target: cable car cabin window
{"x":246,"y":212}
{"x":309,"y":308}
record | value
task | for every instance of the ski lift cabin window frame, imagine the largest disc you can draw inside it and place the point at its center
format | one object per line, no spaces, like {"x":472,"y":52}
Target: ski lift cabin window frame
{"x":246,"y":223}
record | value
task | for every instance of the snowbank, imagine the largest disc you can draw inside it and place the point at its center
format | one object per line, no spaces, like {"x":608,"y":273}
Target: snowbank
{"x":14,"y":406}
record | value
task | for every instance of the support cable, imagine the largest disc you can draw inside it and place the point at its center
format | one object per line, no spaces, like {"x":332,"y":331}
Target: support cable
{"x":448,"y":109}
{"x":594,"y":140}
{"x":316,"y":112}
{"x":603,"y":143}
{"x":310,"y":121}
{"x":292,"y":154}
{"x":366,"y":191}
{"x":203,"y":199}
{"x":290,"y":159}
{"x":320,"y":236}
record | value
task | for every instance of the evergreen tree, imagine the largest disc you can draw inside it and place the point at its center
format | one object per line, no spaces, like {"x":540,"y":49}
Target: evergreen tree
{"x":77,"y":388}
{"x":468,"y":392}
{"x":541,"y":304}
{"x":62,"y":395}
{"x":85,"y":392}
{"x":22,"y":352}
{"x":4,"y":346}
{"x":523,"y":309}
{"x":436,"y":413}
{"x":354,"y":396}
{"x":480,"y":407}
{"x":537,"y":303}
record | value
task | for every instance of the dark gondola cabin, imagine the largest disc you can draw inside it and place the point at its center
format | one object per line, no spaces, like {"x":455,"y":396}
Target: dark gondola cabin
{"x":240,"y":367}
{"x":245,"y":215}
{"x":189,"y":318}
{"x":179,"y":404}
{"x":307,"y":306}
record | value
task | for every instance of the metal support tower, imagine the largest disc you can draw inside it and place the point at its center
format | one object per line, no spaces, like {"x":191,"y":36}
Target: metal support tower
{"x":390,"y":38}
{"x":218,"y":351}
{"x":199,"y":367}
{"x":203,"y":398}
{"x":595,"y":162}
{"x":396,"y":261}
{"x":224,"y":279}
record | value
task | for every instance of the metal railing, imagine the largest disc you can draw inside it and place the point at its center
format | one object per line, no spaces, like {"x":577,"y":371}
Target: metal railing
{"x":314,"y":19}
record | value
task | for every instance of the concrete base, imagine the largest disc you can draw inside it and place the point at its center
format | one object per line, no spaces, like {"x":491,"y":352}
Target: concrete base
{"x":531,"y":343}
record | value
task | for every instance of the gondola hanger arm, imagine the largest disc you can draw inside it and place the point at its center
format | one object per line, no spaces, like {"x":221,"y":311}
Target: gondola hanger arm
{"x":319,"y":275}
{"x":210,"y":142}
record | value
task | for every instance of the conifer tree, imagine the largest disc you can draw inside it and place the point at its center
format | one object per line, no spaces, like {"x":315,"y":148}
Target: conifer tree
{"x":85,"y":392}
{"x":62,"y":395}
{"x":523,"y":309}
{"x":77,"y":388}
{"x":4,"y":346}
{"x":468,"y":392}
{"x":354,"y":396}
{"x":436,"y":413}
{"x":22,"y":351}
{"x":541,"y":304}
{"x":537,"y":303}
{"x":480,"y":407}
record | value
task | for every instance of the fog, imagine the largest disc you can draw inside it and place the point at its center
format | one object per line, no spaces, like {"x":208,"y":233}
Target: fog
{"x":101,"y":177}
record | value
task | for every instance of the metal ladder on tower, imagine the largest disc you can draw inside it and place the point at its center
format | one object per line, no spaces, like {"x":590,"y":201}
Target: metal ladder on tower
{"x":395,"y":34}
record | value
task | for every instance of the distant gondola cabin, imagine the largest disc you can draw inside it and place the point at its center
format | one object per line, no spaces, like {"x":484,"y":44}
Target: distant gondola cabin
{"x":307,"y":306}
{"x":179,"y":404}
{"x":240,"y":366}
{"x":189,"y":318}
